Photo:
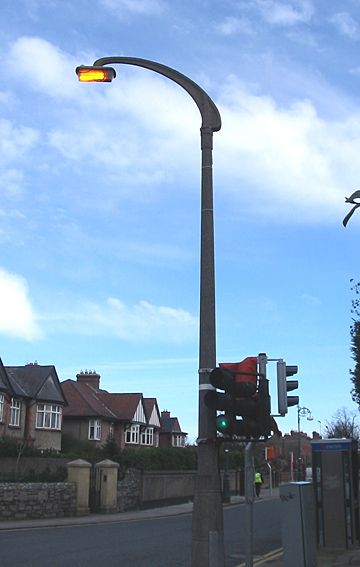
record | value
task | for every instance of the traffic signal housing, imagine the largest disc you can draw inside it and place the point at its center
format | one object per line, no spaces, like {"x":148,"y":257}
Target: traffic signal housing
{"x":243,"y":395}
{"x":284,"y":386}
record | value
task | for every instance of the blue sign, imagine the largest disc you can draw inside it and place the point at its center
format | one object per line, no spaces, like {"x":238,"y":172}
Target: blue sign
{"x":334,"y":446}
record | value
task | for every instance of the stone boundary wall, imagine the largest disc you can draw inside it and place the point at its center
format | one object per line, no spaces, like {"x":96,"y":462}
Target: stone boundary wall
{"x":28,"y":501}
{"x":129,"y":491}
{"x":152,"y":489}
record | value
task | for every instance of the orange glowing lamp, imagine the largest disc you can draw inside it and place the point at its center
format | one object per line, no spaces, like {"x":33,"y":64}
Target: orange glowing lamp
{"x":95,"y":74}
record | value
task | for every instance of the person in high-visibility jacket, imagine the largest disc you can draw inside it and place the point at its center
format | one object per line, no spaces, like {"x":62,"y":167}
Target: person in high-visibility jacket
{"x":258,"y":483}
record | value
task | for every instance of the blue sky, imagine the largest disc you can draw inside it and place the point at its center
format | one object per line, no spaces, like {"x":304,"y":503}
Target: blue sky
{"x":100,"y":192}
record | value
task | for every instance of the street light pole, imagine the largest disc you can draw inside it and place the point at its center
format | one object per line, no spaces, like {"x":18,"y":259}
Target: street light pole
{"x":207,"y":525}
{"x":320,"y":426}
{"x":302,"y":412}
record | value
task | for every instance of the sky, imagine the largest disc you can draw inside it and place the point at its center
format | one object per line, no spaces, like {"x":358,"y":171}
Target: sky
{"x":100,"y":193}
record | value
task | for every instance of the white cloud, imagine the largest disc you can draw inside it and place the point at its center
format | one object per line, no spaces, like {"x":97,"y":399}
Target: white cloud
{"x":310,"y":299}
{"x":231,"y":26}
{"x":346,"y":25}
{"x":11,"y":182}
{"x":355,"y":71}
{"x":296,"y":160}
{"x":18,"y":318}
{"x":159,"y":133}
{"x":136,"y":7}
{"x":43,"y":66}
{"x":141,"y":322}
{"x":286,"y":14}
{"x":15,"y":141}
{"x":294,"y":157}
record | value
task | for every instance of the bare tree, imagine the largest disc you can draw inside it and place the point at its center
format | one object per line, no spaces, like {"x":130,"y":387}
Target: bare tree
{"x":355,"y":342}
{"x":343,"y":425}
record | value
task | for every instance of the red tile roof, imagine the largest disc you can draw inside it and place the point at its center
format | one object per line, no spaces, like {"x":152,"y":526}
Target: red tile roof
{"x":85,"y":401}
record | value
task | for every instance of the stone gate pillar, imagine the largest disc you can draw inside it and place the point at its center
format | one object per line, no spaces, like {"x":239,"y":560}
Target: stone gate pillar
{"x":79,"y":473}
{"x":108,"y":473}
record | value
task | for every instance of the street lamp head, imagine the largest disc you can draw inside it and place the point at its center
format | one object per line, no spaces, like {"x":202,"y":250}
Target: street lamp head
{"x":95,"y":74}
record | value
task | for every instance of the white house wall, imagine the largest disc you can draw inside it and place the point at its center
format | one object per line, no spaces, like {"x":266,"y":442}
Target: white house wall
{"x":154,"y":419}
{"x":139,"y":415}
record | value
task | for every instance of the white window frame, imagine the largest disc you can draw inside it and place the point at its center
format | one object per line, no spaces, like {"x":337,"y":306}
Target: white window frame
{"x":178,"y":441}
{"x":15,"y":411}
{"x":95,"y":429}
{"x":132,"y":435}
{"x":147,"y":436}
{"x":2,"y":404}
{"x":48,"y":416}
{"x":111,"y":430}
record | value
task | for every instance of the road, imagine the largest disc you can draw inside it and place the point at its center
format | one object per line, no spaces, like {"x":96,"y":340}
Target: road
{"x":161,"y":542}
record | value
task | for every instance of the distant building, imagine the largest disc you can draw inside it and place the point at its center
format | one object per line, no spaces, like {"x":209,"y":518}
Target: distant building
{"x":31,"y":405}
{"x":283,"y":452}
{"x":171,"y":434}
{"x":93,"y":414}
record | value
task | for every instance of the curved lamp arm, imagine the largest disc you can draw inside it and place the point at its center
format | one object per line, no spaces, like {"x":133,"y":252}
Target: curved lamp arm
{"x":208,"y":498}
{"x":208,"y":110}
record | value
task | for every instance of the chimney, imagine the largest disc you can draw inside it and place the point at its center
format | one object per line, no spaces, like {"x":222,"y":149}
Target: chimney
{"x":165,"y":413}
{"x":91,"y":378}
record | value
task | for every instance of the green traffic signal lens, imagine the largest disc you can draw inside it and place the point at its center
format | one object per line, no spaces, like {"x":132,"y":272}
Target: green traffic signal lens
{"x":223,"y":423}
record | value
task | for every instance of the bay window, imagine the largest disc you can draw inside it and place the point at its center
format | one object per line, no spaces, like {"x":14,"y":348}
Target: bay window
{"x":132,"y":435}
{"x":147,"y":436}
{"x":48,"y":416}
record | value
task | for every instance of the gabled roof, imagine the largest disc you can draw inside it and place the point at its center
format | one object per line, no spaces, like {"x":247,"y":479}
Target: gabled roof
{"x":5,"y":385}
{"x":127,"y":407}
{"x":171,"y":425}
{"x":36,"y":382}
{"x":85,"y":401}
{"x":153,"y":412}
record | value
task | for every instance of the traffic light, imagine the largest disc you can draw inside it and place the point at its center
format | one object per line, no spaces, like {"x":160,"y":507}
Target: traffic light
{"x":285,"y":386}
{"x":243,"y":396}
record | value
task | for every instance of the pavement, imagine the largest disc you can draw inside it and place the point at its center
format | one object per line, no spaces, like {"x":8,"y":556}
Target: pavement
{"x":325,"y":557}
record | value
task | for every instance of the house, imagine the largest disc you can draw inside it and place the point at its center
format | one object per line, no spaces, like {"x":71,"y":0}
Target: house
{"x":6,"y":394}
{"x":171,"y":434}
{"x":31,"y":405}
{"x":93,"y":414}
{"x":152,"y":410}
{"x":283,"y":452}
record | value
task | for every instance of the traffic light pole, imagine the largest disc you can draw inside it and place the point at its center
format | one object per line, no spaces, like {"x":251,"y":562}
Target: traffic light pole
{"x":249,"y":502}
{"x":249,"y":485}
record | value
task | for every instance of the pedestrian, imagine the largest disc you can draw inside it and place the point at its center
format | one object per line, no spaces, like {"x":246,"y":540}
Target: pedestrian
{"x":258,"y":482}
